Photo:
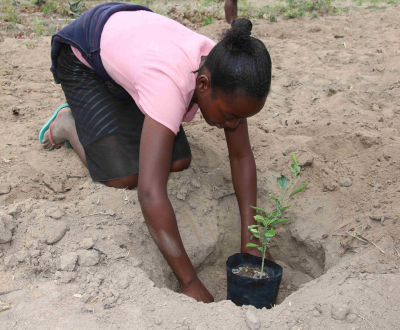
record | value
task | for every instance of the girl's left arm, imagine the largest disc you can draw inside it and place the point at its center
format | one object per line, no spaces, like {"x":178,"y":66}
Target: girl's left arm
{"x":244,"y":178}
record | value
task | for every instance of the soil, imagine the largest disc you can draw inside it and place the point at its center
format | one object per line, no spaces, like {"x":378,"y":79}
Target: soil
{"x":252,"y":272}
{"x":77,"y":255}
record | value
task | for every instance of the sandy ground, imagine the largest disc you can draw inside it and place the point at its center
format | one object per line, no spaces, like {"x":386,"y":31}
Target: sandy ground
{"x":334,"y":101}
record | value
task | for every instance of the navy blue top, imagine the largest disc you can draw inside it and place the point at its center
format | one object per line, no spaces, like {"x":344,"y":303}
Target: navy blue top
{"x":84,"y":34}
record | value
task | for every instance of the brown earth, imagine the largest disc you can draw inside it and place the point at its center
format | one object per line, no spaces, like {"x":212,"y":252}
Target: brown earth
{"x":335,"y":102}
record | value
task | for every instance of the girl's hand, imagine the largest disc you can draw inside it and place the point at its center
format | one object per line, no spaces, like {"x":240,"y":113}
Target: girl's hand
{"x":198,"y":291}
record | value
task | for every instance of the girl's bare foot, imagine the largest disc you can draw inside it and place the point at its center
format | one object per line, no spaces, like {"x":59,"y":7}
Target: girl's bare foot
{"x":197,"y":291}
{"x":59,"y":129}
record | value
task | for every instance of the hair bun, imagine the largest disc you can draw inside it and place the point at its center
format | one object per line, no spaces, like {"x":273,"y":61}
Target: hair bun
{"x":237,"y":38}
{"x":243,"y":24}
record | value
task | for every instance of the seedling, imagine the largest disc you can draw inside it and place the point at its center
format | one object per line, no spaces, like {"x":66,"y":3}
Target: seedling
{"x":264,"y":229}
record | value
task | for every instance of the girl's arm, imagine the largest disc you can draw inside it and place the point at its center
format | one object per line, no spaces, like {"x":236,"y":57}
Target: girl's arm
{"x":244,"y":178}
{"x":154,"y":167}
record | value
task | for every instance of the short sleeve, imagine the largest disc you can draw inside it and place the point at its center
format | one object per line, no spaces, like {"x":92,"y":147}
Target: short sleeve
{"x":160,"y":98}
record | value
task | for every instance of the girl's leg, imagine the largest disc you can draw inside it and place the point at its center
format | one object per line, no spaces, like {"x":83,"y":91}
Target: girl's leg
{"x":230,"y":10}
{"x":63,"y":129}
{"x":131,"y":181}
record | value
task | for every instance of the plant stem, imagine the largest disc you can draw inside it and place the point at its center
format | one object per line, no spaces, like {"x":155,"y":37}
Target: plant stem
{"x":262,"y":263}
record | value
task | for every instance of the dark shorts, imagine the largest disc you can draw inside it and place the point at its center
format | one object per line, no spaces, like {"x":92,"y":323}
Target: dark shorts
{"x":108,"y":128}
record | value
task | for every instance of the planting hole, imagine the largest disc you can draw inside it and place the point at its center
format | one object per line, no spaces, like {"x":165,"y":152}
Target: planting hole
{"x":301,"y":263}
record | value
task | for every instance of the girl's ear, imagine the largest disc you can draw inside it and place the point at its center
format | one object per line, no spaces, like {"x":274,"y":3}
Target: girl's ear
{"x":203,"y":83}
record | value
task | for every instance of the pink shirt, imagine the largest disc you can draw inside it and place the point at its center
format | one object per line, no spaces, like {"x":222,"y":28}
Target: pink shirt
{"x":153,"y":58}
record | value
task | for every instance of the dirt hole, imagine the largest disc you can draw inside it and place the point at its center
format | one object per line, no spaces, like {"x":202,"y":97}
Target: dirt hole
{"x":302,"y":261}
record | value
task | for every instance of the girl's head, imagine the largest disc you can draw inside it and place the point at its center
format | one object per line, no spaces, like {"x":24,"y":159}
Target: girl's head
{"x":235,"y":79}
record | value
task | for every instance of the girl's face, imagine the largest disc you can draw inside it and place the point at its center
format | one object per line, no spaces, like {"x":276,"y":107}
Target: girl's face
{"x":223,"y":110}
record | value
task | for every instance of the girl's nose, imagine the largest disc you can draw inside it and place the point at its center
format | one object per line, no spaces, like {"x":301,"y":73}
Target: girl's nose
{"x":232,"y":123}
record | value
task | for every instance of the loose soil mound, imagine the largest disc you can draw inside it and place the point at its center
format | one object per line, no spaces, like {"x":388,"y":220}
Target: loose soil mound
{"x":70,"y":247}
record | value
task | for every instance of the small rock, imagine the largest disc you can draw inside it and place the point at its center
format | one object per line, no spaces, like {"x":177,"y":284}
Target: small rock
{"x":252,"y":321}
{"x":351,"y":318}
{"x":85,"y":297}
{"x":316,"y":313}
{"x":32,"y":245}
{"x":368,"y":139}
{"x":377,"y":204}
{"x":339,"y":311}
{"x":345,"y":182}
{"x":329,"y":186}
{"x":67,"y":277}
{"x":87,"y":258}
{"x":5,"y":232}
{"x":34,"y":253}
{"x":289,"y":149}
{"x":111,"y":213}
{"x":56,"y":214}
{"x":375,"y":107}
{"x":5,"y":188}
{"x":359,"y":218}
{"x":158,"y":320}
{"x":115,"y":293}
{"x":11,"y":261}
{"x":14,"y":210}
{"x":195,"y":183}
{"x":182,"y":194}
{"x":123,"y":283}
{"x":87,"y":243}
{"x":21,"y":255}
{"x":305,"y":159}
{"x":53,"y":183}
{"x":107,"y":293}
{"x":46,"y":257}
{"x":54,"y":231}
{"x":68,"y":261}
{"x":136,"y":262}
{"x":376,"y":217}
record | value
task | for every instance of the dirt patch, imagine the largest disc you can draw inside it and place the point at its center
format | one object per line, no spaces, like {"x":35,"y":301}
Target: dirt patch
{"x":69,"y":246}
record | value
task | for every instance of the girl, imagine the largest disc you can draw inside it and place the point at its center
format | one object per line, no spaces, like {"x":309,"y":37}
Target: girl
{"x":131,"y":77}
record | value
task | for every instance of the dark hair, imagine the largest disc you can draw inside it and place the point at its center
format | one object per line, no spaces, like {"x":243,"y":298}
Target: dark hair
{"x":240,"y":62}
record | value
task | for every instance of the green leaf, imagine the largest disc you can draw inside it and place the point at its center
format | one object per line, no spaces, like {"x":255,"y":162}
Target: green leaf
{"x":253,"y":226}
{"x":295,"y":169}
{"x":252,"y":245}
{"x":270,"y":233}
{"x":260,"y":210}
{"x":282,"y":181}
{"x":294,"y":159}
{"x":298,"y":189}
{"x":278,"y":202}
{"x":277,"y":222}
{"x":284,"y":208}
{"x":259,"y":218}
{"x":260,"y":248}
{"x":255,"y":233}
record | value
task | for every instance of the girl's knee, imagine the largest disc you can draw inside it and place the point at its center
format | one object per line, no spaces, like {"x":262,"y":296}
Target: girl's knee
{"x":181,"y":165}
{"x":128,"y":182}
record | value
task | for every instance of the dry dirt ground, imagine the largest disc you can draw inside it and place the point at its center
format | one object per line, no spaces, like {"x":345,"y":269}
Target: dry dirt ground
{"x":78,"y":254}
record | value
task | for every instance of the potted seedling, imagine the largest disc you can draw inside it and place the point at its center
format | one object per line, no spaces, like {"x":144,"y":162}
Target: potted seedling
{"x":255,"y":280}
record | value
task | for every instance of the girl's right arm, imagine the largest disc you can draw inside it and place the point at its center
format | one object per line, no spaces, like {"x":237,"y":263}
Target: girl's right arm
{"x":154,"y":167}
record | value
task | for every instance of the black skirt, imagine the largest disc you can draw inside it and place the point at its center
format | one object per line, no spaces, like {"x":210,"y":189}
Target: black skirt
{"x":108,"y":128}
